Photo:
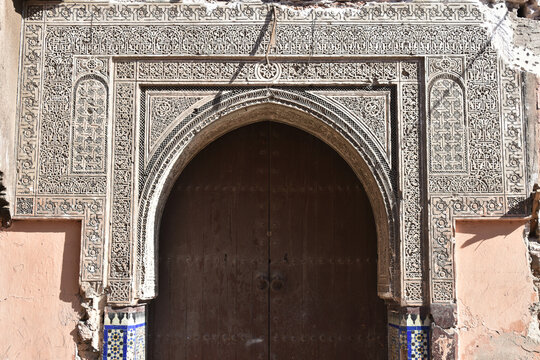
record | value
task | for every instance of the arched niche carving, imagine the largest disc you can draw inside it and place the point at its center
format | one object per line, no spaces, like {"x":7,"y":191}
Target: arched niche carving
{"x":448,"y":152}
{"x":354,"y":145}
{"x":89,"y":128}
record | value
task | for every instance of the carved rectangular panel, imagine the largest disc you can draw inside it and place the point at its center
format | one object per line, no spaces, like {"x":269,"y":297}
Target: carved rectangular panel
{"x":447,"y":137}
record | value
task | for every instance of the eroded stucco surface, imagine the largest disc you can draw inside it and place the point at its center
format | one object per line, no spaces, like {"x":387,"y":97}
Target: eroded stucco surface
{"x":495,"y":292}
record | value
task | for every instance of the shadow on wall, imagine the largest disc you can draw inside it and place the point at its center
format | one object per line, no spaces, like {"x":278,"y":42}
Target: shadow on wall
{"x":69,"y":278}
{"x":18,"y":6}
{"x":478,"y":239}
{"x":5,"y":216}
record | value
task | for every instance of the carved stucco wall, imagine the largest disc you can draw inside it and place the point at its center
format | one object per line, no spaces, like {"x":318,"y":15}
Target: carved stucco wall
{"x":115,"y":98}
{"x":239,"y":107}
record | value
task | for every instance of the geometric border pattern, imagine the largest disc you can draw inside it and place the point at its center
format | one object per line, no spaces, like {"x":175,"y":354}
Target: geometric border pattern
{"x":124,"y":342}
{"x":115,"y":342}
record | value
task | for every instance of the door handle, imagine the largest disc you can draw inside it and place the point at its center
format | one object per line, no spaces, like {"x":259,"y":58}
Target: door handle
{"x":277,"y":283}
{"x":262,"y":282}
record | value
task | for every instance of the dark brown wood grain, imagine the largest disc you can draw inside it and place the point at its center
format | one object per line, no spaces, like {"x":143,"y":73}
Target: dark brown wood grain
{"x":267,"y":200}
{"x":323,"y":244}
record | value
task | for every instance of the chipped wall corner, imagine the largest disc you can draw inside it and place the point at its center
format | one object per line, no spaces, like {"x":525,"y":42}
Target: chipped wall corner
{"x":90,"y":328}
{"x":516,"y":38}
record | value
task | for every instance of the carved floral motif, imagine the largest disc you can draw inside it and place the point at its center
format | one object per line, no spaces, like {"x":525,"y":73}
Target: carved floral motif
{"x":371,"y":111}
{"x":163,"y":111}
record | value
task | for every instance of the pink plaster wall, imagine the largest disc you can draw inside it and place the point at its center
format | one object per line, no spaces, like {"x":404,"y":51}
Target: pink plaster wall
{"x":494,"y":291}
{"x":39,"y":303}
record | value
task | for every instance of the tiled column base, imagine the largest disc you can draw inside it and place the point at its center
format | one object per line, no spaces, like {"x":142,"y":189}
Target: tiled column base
{"x":125,"y":334}
{"x":408,"y":335}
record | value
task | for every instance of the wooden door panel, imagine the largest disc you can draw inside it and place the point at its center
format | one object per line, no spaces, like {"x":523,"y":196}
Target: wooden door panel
{"x":323,"y":244}
{"x":213,"y":245}
{"x":267,"y":199}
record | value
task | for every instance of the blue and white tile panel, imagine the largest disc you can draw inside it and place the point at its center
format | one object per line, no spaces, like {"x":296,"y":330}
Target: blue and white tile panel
{"x":124,"y":334}
{"x":408,"y":337}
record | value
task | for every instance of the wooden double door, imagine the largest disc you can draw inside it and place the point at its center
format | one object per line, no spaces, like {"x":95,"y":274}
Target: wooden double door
{"x":267,"y":250}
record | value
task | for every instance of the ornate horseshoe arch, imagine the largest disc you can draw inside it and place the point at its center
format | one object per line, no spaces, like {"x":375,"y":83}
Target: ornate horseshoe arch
{"x":304,"y":110}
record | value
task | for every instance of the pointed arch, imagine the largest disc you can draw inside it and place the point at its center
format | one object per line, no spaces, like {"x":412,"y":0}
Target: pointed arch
{"x":350,"y":139}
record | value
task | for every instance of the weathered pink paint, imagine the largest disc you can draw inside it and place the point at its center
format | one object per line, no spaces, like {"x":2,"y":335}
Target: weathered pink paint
{"x":494,"y":291}
{"x":39,"y":291}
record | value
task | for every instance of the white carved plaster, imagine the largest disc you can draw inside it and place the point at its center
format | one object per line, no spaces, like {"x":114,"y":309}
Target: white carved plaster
{"x":404,"y":47}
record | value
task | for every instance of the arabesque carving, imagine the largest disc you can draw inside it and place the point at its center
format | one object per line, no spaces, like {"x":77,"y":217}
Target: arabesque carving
{"x":111,"y":95}
{"x":161,"y":169}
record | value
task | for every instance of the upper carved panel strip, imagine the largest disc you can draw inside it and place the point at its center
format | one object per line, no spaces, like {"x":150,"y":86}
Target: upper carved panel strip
{"x":238,"y":12}
{"x":513,"y":134}
{"x":242,"y":39}
{"x":30,"y":93}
